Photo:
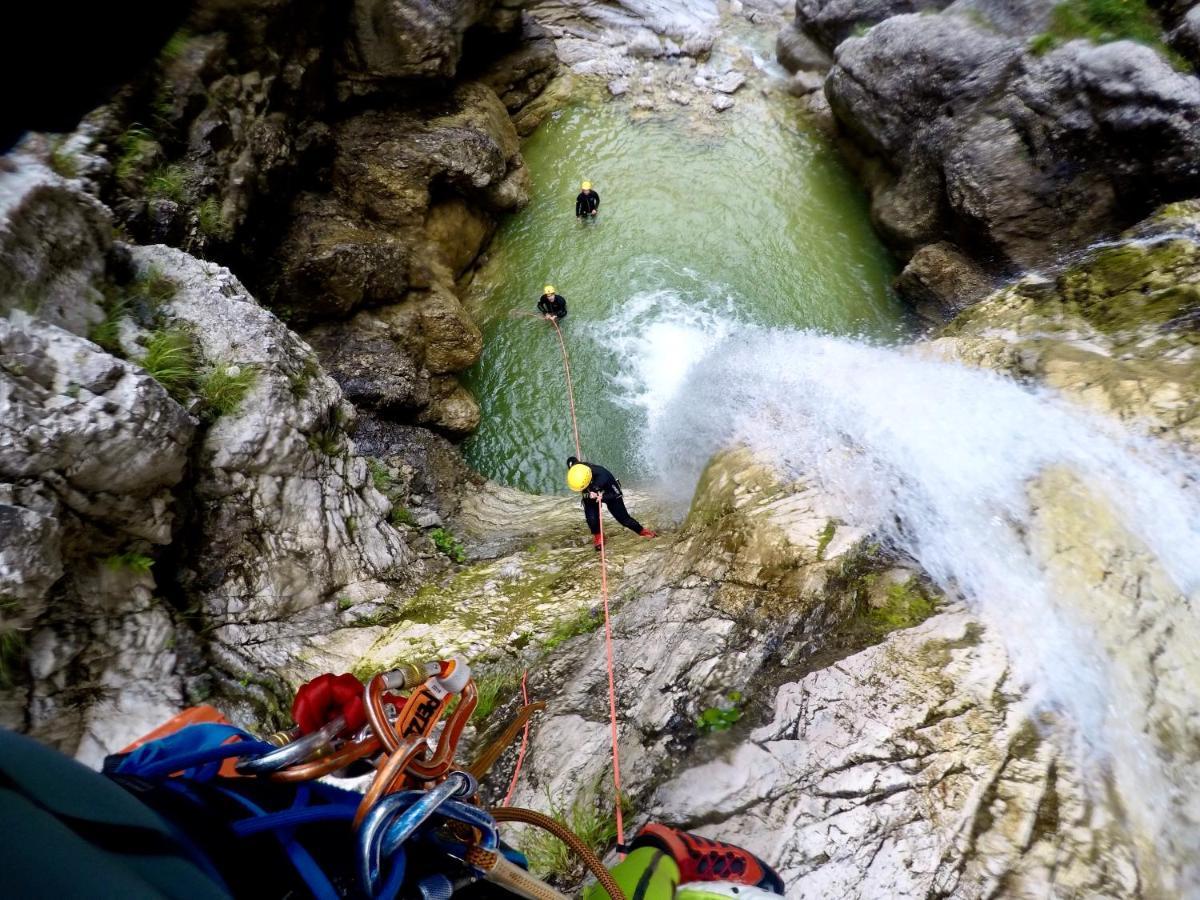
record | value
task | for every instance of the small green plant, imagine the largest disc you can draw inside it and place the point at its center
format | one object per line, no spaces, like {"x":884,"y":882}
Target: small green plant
{"x":167,"y":183}
{"x":825,"y":537}
{"x":448,"y":544}
{"x":351,"y":524}
{"x":62,"y":161}
{"x":171,"y":360}
{"x":1102,"y":21}
{"x":12,"y":657}
{"x":224,"y":386}
{"x":211,"y":219}
{"x":138,"y":563}
{"x":583,"y":622}
{"x":591,"y":817}
{"x":344,"y":603}
{"x":720,"y":718}
{"x":134,"y":147}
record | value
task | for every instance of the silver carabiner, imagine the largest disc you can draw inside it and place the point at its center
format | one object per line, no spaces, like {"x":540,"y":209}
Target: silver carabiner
{"x":296,"y":752}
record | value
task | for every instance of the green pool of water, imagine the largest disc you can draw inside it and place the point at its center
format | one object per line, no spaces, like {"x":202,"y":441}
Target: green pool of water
{"x":705,"y":227}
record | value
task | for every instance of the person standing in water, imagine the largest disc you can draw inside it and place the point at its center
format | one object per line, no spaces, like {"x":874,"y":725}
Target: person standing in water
{"x":551,"y":304}
{"x":587,"y":204}
{"x":597,"y":485}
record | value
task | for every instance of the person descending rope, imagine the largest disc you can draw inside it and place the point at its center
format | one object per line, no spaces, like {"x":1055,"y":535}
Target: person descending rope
{"x":551,"y":304}
{"x":587,"y":204}
{"x":597,"y":484}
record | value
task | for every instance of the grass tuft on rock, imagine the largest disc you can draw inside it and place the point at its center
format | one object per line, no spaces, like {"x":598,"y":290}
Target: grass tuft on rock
{"x":134,"y":148}
{"x":592,"y":817}
{"x":492,"y":688}
{"x":223,"y":387}
{"x":167,"y":183}
{"x":62,"y":161}
{"x":210,"y":219}
{"x":170,"y":359}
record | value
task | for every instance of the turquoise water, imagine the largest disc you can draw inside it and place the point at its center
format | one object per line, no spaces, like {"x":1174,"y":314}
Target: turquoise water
{"x":707,"y":226}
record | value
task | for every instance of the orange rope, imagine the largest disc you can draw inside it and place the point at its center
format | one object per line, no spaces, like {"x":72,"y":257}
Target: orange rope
{"x":512,"y":785}
{"x":612,"y":685}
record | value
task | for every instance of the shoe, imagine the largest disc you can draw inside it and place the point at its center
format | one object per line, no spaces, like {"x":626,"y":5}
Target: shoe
{"x":646,"y":532}
{"x":702,"y":859}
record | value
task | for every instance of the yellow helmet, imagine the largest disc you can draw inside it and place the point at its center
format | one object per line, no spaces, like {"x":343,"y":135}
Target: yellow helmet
{"x":587,"y":185}
{"x":579,"y":476}
{"x":549,"y":289}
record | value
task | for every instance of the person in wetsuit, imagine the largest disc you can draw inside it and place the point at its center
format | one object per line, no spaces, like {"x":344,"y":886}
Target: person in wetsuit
{"x":597,"y":485}
{"x":587,"y":204}
{"x":551,"y":304}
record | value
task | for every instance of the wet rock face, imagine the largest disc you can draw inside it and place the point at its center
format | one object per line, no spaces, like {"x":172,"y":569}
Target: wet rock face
{"x":1116,"y":331}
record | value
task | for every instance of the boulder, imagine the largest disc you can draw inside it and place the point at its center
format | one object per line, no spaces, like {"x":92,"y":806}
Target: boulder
{"x":829,"y":22}
{"x":411,"y":38}
{"x":1185,"y":37}
{"x":797,"y":52}
{"x":940,"y":280}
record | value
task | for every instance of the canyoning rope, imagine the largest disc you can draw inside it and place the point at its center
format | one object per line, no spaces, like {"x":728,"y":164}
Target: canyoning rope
{"x":512,"y":785}
{"x":612,"y":687}
{"x":570,"y":388}
{"x":608,"y":645}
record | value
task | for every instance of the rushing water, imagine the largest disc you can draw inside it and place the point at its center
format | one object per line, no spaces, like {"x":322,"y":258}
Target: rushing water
{"x":748,"y":220}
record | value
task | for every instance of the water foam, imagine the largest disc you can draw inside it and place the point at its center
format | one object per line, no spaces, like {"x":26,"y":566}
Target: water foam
{"x":943,"y":457}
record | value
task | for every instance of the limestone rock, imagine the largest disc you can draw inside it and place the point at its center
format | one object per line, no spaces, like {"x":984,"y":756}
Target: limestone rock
{"x":830,"y":22}
{"x":729,"y":83}
{"x":52,"y":243}
{"x":618,"y":87}
{"x":1023,"y":157}
{"x":940,"y":280}
{"x":804,"y":83}
{"x":722,"y":103}
{"x":1186,"y":36}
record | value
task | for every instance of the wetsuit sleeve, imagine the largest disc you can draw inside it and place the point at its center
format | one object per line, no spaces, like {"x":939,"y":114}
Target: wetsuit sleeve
{"x":595,"y":201}
{"x":560,"y":305}
{"x":581,"y":205}
{"x":544,"y":306}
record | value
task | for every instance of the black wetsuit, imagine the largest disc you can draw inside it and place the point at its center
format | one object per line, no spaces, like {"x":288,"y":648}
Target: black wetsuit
{"x":553,"y":306}
{"x":586,"y":203}
{"x":609,"y":488}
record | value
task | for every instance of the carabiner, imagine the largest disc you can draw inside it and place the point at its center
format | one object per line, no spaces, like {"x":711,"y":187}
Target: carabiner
{"x":295,"y":752}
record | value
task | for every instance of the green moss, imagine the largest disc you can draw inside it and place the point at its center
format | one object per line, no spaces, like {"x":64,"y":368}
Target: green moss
{"x":448,"y":544}
{"x":379,"y":475}
{"x":583,"y":622}
{"x":825,"y":537}
{"x":137,"y":563}
{"x":223,"y":387}
{"x":1103,"y":21}
{"x":170,"y":359}
{"x":167,"y":182}
{"x":62,"y":161}
{"x":906,"y":605}
{"x":344,"y":603}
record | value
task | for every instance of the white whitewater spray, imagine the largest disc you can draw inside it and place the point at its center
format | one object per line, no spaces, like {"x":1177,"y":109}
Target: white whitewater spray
{"x":943,"y":456}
